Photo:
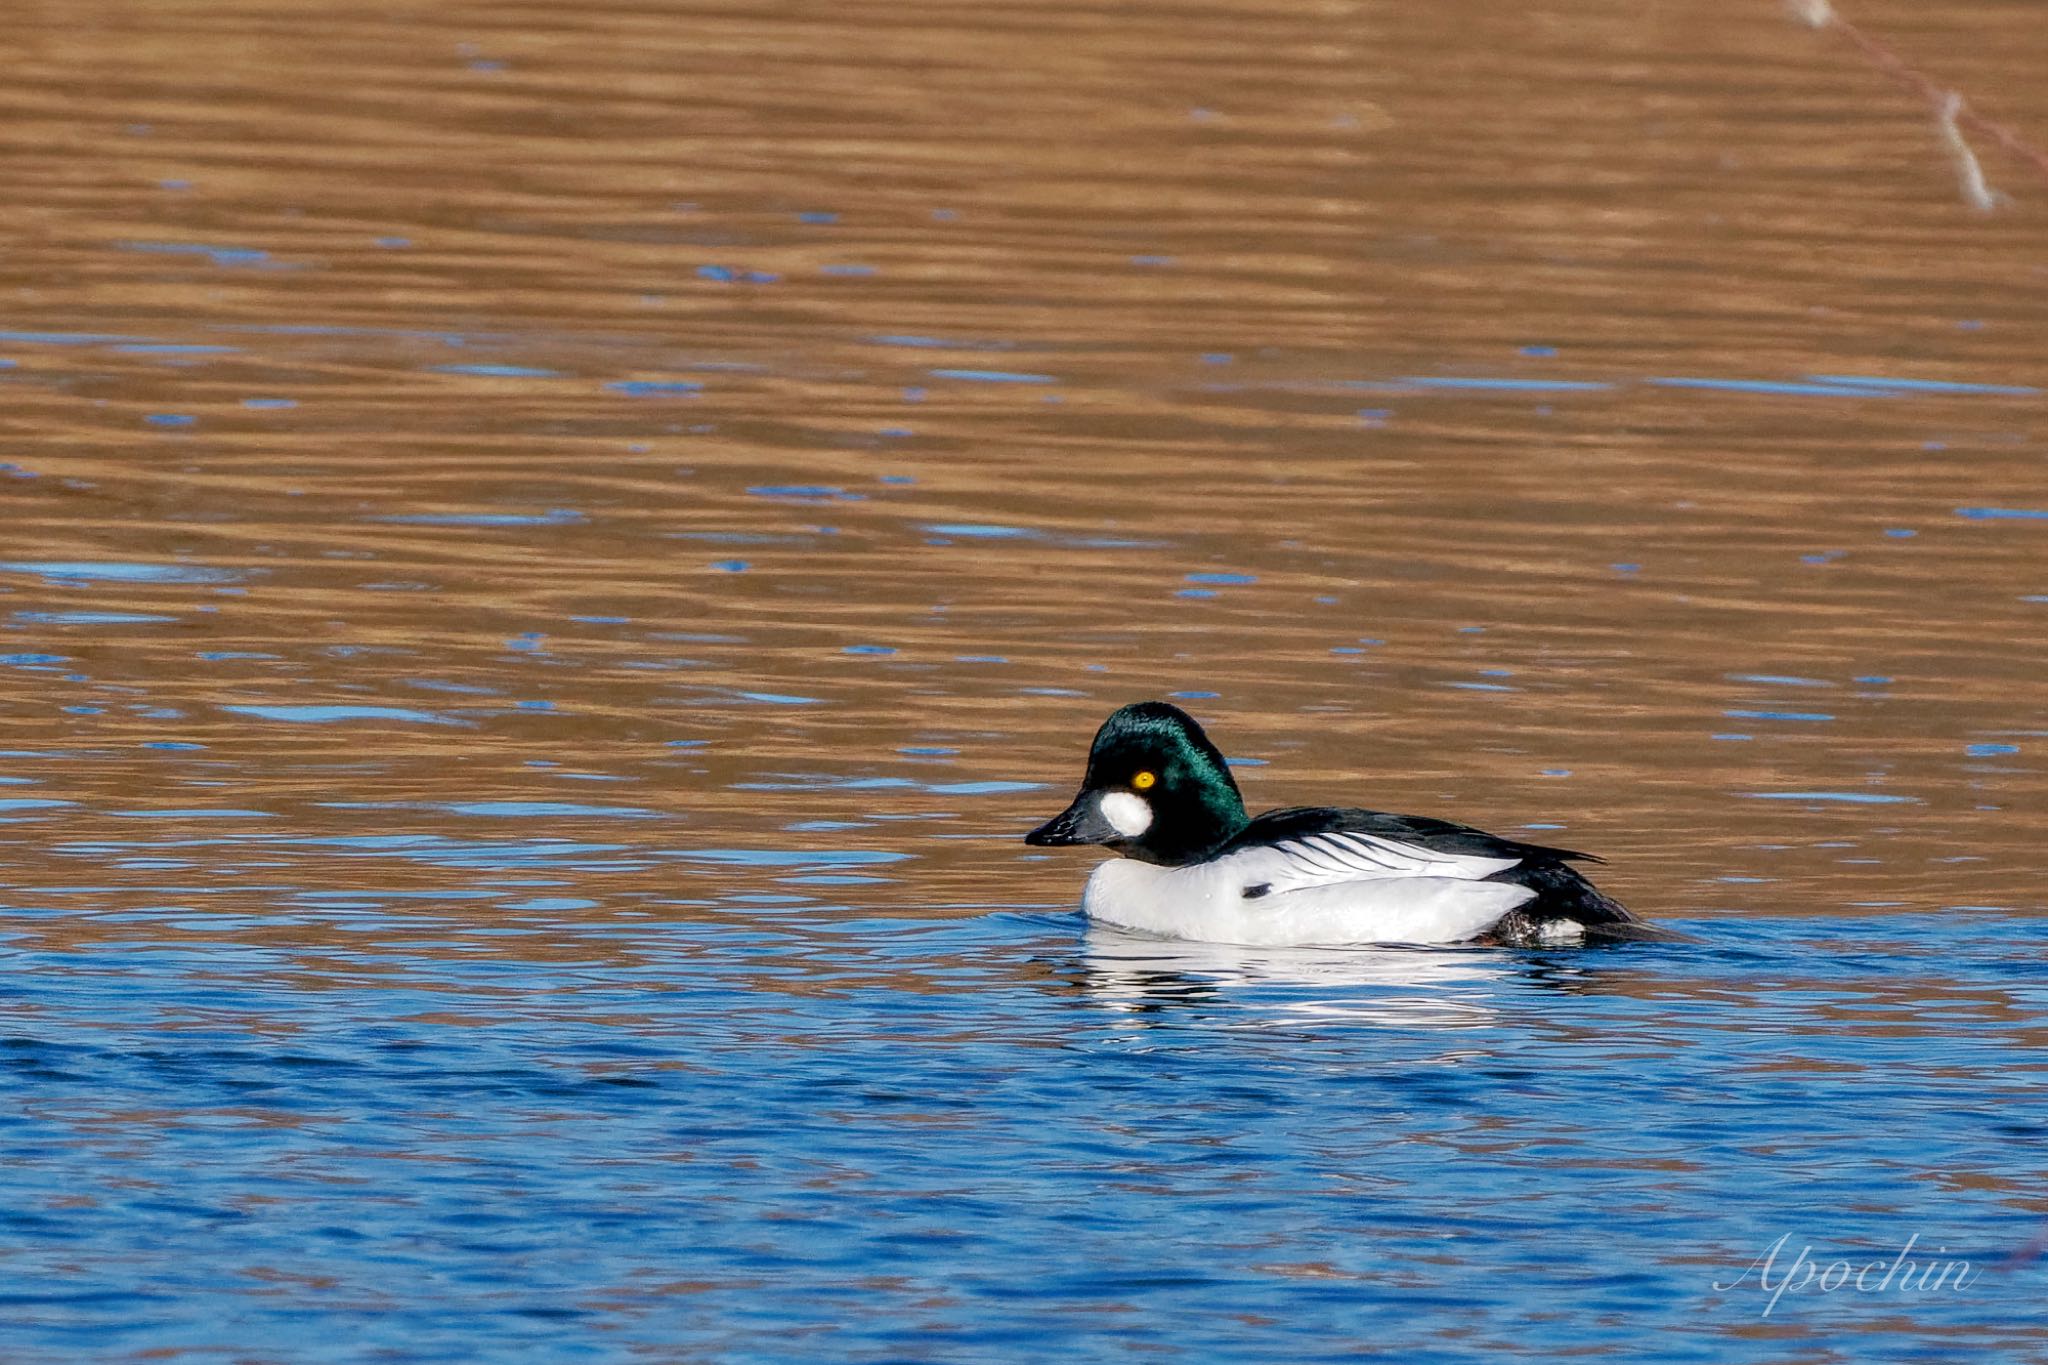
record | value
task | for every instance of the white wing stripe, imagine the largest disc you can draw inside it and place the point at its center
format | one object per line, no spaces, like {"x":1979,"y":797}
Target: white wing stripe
{"x":1315,"y":855}
{"x":1347,"y":856}
{"x":1361,"y":850}
{"x":1333,"y":859}
{"x":1414,"y":852}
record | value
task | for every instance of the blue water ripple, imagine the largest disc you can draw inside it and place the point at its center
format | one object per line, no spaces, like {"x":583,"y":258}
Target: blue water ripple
{"x":1922,"y":385}
{"x":1505,"y":385}
{"x":995,"y":376}
{"x":120,"y":571}
{"x":554,"y":516}
{"x":335,"y":714}
{"x":1855,"y":798}
{"x":1769,"y":386}
{"x":2003,"y":513}
{"x":656,"y":388}
{"x":498,"y":371}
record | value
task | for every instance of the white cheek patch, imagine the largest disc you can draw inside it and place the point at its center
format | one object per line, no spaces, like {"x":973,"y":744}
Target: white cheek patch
{"x":1128,"y":814}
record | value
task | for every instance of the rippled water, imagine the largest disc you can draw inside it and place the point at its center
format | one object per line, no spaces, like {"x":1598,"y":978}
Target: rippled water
{"x":552,"y":553}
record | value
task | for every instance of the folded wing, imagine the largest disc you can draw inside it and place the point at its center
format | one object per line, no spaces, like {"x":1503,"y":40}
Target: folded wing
{"x":1321,"y":846}
{"x":1337,"y":857}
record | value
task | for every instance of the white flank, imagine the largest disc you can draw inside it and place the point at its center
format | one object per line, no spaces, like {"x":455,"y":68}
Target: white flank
{"x":1129,"y":815}
{"x":1331,"y":889}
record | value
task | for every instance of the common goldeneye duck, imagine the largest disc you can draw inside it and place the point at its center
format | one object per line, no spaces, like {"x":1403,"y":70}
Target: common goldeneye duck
{"x":1195,"y":866}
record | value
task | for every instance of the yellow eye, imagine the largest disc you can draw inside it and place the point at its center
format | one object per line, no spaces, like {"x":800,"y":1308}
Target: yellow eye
{"x":1143,"y":781}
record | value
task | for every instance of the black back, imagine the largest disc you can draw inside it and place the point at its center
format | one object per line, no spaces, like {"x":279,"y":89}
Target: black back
{"x":1442,"y":836}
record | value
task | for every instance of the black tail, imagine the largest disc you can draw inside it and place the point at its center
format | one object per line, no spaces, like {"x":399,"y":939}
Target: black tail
{"x":1562,"y":894}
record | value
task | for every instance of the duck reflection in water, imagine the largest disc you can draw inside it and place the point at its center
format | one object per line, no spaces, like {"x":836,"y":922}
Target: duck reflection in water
{"x":1412,"y":987}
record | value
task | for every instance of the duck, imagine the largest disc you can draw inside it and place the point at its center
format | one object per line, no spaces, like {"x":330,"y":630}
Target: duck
{"x":1192,"y":864}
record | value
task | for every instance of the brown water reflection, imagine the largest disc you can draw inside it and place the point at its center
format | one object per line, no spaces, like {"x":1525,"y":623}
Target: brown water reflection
{"x":450,"y":234}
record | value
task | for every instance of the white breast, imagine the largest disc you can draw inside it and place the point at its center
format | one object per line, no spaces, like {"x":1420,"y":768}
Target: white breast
{"x":1329,"y":889}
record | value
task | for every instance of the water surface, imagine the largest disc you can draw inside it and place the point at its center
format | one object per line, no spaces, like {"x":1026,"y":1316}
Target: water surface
{"x":553,"y":554}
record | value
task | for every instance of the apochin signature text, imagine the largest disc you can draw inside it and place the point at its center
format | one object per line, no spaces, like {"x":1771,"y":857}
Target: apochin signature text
{"x":1900,"y":1275}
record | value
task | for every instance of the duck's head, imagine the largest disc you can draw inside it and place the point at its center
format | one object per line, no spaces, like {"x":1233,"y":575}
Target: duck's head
{"x":1156,"y":790}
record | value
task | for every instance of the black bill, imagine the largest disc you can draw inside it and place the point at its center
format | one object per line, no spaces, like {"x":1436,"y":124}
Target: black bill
{"x":1080,"y":823}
